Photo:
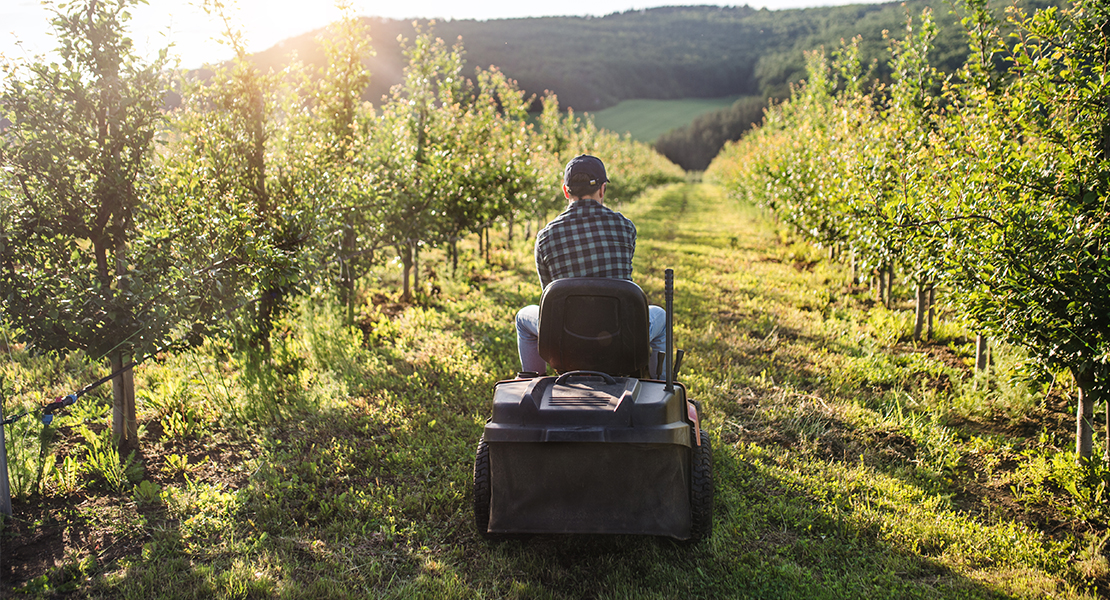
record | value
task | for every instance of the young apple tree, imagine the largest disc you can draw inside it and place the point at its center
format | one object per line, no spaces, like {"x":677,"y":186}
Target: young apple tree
{"x":80,"y":270}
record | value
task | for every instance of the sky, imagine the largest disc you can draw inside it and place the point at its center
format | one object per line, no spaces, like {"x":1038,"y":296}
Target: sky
{"x":25,"y":30}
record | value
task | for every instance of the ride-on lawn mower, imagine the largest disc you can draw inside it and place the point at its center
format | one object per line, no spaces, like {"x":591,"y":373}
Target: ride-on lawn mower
{"x":599,"y":448}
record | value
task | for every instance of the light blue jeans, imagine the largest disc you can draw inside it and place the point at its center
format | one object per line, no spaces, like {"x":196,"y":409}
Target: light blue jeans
{"x":528,"y":338}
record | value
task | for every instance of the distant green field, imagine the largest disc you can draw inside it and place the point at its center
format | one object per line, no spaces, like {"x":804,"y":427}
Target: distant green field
{"x":646,"y":120}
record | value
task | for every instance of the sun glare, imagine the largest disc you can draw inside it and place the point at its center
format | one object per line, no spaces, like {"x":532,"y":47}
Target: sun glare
{"x":191,"y":33}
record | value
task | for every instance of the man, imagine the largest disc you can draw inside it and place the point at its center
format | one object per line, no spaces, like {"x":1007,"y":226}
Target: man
{"x":585,"y":240}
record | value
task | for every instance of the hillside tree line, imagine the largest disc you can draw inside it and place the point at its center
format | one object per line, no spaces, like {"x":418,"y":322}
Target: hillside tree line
{"x":593,"y":63}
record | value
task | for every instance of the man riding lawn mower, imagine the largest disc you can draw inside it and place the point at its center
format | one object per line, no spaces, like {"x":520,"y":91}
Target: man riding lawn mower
{"x":610,"y":444}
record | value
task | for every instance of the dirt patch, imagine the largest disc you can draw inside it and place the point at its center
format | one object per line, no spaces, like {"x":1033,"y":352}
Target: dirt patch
{"x":51,"y":537}
{"x":390,"y":307}
{"x":804,"y":265}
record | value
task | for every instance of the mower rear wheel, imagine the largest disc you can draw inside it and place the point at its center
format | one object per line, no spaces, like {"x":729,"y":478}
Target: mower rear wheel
{"x":701,"y":491}
{"x":482,"y":488}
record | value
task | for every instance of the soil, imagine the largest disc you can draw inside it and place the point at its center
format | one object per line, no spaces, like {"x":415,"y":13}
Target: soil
{"x":48,"y":537}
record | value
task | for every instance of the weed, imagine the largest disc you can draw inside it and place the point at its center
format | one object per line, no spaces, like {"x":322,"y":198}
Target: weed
{"x":889,"y":326}
{"x":147,"y":492}
{"x":102,"y":461}
{"x":176,"y":464}
{"x":991,"y":452}
{"x":1009,"y":388}
{"x":206,"y":510}
{"x":937,"y":451}
{"x":93,"y":406}
{"x":1031,"y":478}
{"x":1086,"y":482}
{"x":333,"y":346}
{"x":67,"y":475}
{"x":182,"y":413}
{"x":1092,"y":562}
{"x":30,"y":459}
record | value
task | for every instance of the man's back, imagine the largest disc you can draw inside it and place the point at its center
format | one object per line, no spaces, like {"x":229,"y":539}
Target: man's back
{"x":586,"y":240}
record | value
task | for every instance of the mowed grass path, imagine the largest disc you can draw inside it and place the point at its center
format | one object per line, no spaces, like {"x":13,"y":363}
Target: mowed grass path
{"x":347,"y":475}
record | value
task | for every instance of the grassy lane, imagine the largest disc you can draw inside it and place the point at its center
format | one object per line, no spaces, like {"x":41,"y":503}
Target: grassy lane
{"x":343,"y":468}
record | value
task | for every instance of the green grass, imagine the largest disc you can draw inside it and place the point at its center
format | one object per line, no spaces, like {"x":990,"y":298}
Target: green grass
{"x":646,"y":120}
{"x":850,"y":461}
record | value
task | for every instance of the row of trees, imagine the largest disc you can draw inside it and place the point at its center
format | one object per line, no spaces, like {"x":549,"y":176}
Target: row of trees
{"x":994,"y":182}
{"x":127,"y":229}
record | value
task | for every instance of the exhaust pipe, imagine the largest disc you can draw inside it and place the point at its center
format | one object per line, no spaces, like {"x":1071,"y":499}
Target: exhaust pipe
{"x":669,"y":292}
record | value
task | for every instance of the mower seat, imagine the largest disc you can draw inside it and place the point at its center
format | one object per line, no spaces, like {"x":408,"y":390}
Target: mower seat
{"x":595,"y":324}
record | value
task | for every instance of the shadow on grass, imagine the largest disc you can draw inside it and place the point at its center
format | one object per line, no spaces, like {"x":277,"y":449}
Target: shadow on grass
{"x":786,"y":543}
{"x":771,"y":541}
{"x":346,"y":503}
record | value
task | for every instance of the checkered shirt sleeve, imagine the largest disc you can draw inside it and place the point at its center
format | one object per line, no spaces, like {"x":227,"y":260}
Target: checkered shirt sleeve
{"x":586,"y":240}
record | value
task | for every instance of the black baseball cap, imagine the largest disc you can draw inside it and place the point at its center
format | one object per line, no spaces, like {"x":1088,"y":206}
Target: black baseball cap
{"x":586,"y":165}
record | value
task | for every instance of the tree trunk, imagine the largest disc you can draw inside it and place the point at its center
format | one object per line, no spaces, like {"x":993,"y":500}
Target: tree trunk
{"x":1084,"y":414}
{"x":932,"y":309}
{"x":453,"y":249}
{"x":982,"y":356}
{"x":921,"y":310}
{"x":406,"y":267}
{"x":981,"y":351}
{"x":346,"y":274}
{"x":509,"y":234}
{"x":264,"y":319}
{"x":880,"y":287}
{"x":924,"y":311}
{"x":125,"y":429}
{"x":888,"y":301}
{"x":125,"y":426}
{"x":415,"y":268}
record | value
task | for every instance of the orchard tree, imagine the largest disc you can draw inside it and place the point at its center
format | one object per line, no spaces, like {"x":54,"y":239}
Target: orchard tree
{"x":1034,"y":241}
{"x":910,"y":169}
{"x":80,"y":268}
{"x":343,"y":127}
{"x":414,"y":126}
{"x":557,"y":132}
{"x":243,"y":173}
{"x":800,"y":162}
{"x":515,"y":161}
{"x":485,"y":169}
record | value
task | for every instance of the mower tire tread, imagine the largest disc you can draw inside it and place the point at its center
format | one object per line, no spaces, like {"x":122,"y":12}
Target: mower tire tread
{"x":701,"y":491}
{"x":482,"y":488}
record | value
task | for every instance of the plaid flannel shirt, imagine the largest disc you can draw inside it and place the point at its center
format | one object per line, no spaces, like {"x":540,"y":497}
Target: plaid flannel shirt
{"x":586,"y":240}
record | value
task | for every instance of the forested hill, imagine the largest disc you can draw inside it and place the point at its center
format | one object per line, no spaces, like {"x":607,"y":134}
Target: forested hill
{"x":660,"y":53}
